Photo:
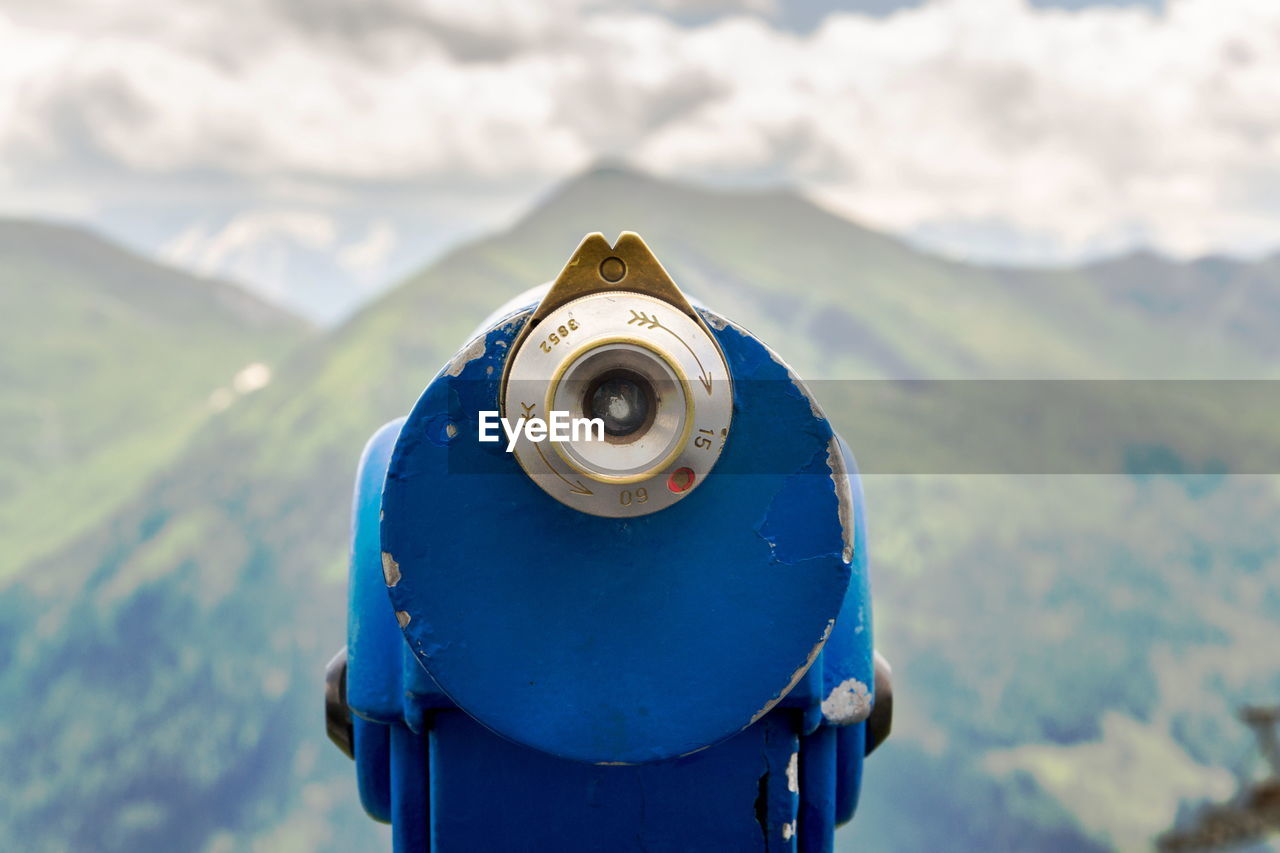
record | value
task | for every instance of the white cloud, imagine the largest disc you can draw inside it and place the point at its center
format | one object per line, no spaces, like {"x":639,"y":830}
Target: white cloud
{"x":1093,"y":127}
{"x":984,"y":126}
{"x":371,"y":252}
{"x":207,"y":250}
{"x":269,"y":248}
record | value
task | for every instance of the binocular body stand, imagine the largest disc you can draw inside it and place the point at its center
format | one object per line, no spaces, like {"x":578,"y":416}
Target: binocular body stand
{"x":523,"y":675}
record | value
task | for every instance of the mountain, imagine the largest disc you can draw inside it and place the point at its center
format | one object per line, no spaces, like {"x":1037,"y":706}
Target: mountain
{"x":1066,"y":649}
{"x":850,"y":302}
{"x":1209,"y":296}
{"x":109,"y":364}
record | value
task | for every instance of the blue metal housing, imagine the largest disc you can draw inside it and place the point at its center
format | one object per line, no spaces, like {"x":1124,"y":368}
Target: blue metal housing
{"x":524,"y":676}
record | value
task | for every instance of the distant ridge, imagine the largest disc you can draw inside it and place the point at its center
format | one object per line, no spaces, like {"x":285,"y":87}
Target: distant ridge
{"x":869,"y":303}
{"x":108,"y":362}
{"x":152,"y":287}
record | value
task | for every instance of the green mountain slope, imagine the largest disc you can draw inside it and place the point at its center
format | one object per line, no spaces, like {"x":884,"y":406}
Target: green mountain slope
{"x":108,"y":363}
{"x":1022,"y":614}
{"x":845,"y":302}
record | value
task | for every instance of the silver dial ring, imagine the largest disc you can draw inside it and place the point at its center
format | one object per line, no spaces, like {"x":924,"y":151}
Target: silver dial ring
{"x":680,"y":380}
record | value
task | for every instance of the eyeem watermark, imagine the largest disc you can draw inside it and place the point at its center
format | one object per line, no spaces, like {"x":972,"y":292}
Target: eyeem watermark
{"x":559,"y":427}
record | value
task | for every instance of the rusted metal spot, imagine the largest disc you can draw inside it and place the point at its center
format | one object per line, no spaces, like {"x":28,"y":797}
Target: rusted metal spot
{"x":844,"y":496}
{"x":804,"y":389}
{"x":848,"y":703}
{"x":403,"y":617}
{"x":715,"y":321}
{"x":799,"y":673}
{"x":798,"y":383}
{"x":390,"y":571}
{"x":473,"y":350}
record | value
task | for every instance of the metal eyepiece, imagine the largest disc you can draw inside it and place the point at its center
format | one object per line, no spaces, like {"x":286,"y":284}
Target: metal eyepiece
{"x":650,"y":373}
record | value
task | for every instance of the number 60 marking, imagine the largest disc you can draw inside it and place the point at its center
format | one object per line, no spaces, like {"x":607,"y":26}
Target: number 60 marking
{"x":626,"y":496}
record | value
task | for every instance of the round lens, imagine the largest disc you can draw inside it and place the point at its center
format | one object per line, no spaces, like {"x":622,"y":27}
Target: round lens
{"x":621,"y":401}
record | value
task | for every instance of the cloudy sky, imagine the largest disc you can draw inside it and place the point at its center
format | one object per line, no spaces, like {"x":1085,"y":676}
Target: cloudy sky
{"x":320,"y":147}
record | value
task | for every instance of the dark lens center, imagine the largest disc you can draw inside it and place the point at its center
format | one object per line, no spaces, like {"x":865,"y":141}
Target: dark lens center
{"x":621,"y":402}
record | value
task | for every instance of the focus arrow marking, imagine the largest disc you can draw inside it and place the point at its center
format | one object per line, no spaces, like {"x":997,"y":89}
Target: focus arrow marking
{"x":575,"y":486}
{"x":653,"y":322}
{"x":645,"y":320}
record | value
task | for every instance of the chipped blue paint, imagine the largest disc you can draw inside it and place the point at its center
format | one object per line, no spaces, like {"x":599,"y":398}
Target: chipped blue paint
{"x":641,"y":683}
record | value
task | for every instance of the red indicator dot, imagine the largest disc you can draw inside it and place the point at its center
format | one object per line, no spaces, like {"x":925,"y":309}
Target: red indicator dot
{"x":681,"y":480}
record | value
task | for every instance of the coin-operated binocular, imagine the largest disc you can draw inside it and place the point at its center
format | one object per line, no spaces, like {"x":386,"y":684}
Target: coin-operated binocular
{"x":608,"y":588}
